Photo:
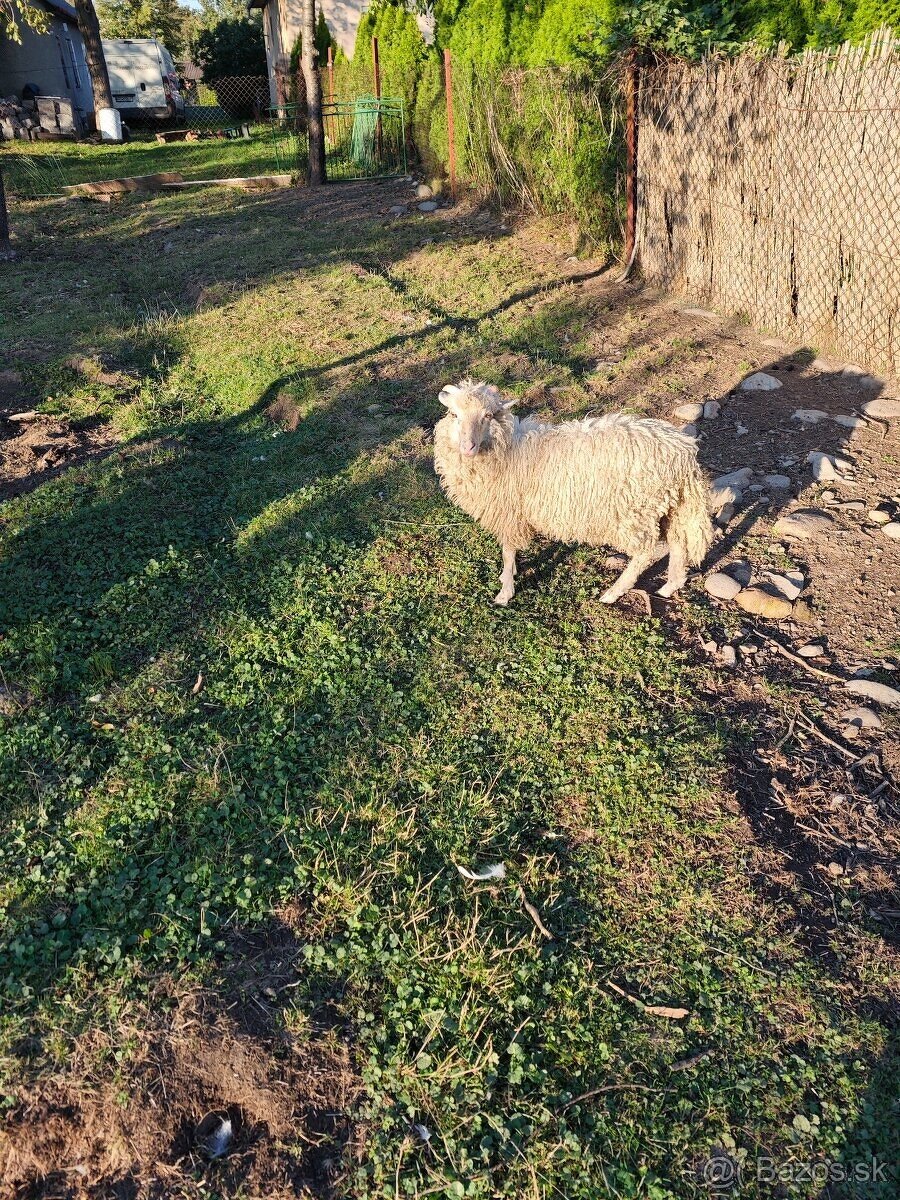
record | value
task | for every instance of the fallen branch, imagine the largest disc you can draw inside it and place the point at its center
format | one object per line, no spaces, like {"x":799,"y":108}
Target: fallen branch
{"x":535,"y":916}
{"x":609,"y":1087}
{"x":801,"y":662}
{"x":812,"y":727}
{"x":656,"y":1010}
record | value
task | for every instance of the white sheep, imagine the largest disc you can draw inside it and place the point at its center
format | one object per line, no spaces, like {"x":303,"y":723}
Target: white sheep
{"x":616,"y":480}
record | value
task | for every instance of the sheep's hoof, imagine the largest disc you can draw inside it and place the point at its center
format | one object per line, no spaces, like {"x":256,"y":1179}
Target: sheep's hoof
{"x":611,"y":596}
{"x":669,"y":589}
{"x":503,"y":597}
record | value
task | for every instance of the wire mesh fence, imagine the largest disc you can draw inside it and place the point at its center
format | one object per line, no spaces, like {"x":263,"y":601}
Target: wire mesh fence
{"x":770,"y":187}
{"x":365,"y":138}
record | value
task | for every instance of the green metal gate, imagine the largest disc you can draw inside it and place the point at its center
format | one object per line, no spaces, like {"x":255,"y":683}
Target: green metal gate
{"x":365,"y":138}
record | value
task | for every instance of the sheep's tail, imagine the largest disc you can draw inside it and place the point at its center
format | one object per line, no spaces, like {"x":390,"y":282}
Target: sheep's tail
{"x":690,"y":524}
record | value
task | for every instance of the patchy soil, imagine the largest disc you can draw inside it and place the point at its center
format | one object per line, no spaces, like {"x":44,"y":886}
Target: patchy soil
{"x":40,"y":447}
{"x":132,"y":1114}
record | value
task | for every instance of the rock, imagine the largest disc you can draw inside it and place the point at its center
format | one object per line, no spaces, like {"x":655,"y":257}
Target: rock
{"x":398,"y":210}
{"x":734,"y":479}
{"x":790,"y":584}
{"x":722,"y":586}
{"x":804,"y":524}
{"x":711,"y":410}
{"x":428,"y":206}
{"x":777,"y":482}
{"x":741,"y":570}
{"x":852,"y":371}
{"x":21,"y":417}
{"x":852,"y":506}
{"x":861,"y":376}
{"x":823,"y":466}
{"x":892,"y":530}
{"x":725,"y":495}
{"x":616,"y":562}
{"x":803,"y":612}
{"x":880,"y":515}
{"x":774,"y":343}
{"x":691,"y":431}
{"x":724,"y":515}
{"x":689,"y":412}
{"x":757,"y":487}
{"x":835,"y":870}
{"x":809,"y":416}
{"x":728,"y":656}
{"x":740,"y":430}
{"x":863,"y":718}
{"x":811,"y":650}
{"x":847,"y":421}
{"x":424,"y":192}
{"x":870,"y":689}
{"x":703,"y":313}
{"x":765,"y":601}
{"x":821,"y":364}
{"x":760,"y":382}
{"x":882,"y":406}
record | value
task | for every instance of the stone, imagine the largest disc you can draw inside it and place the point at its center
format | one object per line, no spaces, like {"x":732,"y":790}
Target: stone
{"x":398,"y":210}
{"x":821,"y":364}
{"x":428,"y":206}
{"x":852,"y":371}
{"x":804,"y":524}
{"x":892,"y":530}
{"x":691,"y":431}
{"x":760,"y":382}
{"x":848,"y":422}
{"x":812,"y":650}
{"x":711,"y":410}
{"x":741,"y":570}
{"x":809,"y":416}
{"x":724,"y":515}
{"x":863,"y":718}
{"x":734,"y":479}
{"x":689,"y":412}
{"x":803,"y":612}
{"x":791,"y":584}
{"x":728,"y":656}
{"x":703,"y":313}
{"x":740,"y":430}
{"x":852,"y":506}
{"x":823,"y":466}
{"x":886,"y":407}
{"x":722,"y":586}
{"x":764,"y":601}
{"x":880,"y":515}
{"x":774,"y":343}
{"x":870,"y":689}
{"x":423,"y":192}
{"x":777,"y":482}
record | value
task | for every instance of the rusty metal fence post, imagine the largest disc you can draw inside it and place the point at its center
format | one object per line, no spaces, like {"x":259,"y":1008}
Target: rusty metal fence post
{"x":330,"y":74}
{"x":376,"y":71}
{"x":632,"y":85}
{"x":451,"y":133}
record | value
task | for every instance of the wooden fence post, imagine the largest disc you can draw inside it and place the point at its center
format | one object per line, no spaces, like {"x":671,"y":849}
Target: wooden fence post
{"x":330,"y":74}
{"x":376,"y":69}
{"x":632,"y":84}
{"x":451,"y":134}
{"x":6,"y":250}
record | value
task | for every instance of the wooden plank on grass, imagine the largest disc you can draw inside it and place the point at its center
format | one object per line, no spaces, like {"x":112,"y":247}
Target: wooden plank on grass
{"x":129,"y":183}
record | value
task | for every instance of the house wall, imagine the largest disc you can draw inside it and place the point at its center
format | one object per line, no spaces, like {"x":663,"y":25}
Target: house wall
{"x":53,"y":61}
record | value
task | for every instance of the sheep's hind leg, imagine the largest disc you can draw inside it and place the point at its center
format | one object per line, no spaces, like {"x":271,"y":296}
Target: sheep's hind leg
{"x":677,"y":574}
{"x":508,"y":578}
{"x":629,"y":577}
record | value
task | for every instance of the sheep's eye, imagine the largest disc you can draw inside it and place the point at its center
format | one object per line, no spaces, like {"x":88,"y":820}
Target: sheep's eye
{"x":488,"y":416}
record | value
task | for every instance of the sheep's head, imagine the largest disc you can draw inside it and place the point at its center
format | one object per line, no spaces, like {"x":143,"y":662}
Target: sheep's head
{"x":477,"y":407}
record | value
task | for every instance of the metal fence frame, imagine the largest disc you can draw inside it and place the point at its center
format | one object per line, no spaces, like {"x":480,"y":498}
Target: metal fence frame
{"x":365,"y":138}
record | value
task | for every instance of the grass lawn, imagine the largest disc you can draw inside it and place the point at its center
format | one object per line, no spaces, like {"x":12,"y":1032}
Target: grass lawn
{"x":257,"y":706}
{"x":42,"y":168}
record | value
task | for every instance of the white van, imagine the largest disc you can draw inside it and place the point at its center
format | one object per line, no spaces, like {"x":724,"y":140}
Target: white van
{"x":143,"y":80}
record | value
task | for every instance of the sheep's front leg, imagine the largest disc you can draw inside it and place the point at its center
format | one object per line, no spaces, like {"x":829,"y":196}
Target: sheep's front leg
{"x":678,"y":571}
{"x":508,"y":578}
{"x":629,"y":577}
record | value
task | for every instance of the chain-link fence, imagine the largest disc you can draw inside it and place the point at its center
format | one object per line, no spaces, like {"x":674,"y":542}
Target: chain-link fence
{"x":770,"y":187}
{"x":364,"y":138}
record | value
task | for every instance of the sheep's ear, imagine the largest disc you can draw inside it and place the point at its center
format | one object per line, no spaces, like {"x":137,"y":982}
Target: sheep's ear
{"x":489,"y":392}
{"x":448,"y":395}
{"x":511,"y":403}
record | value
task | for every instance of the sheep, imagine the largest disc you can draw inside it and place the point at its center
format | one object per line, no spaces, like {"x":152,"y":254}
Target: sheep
{"x":615,"y":480}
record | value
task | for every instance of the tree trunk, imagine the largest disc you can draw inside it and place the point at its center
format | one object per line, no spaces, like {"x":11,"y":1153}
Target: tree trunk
{"x":6,"y":250}
{"x":313,"y":95}
{"x":89,"y":28}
